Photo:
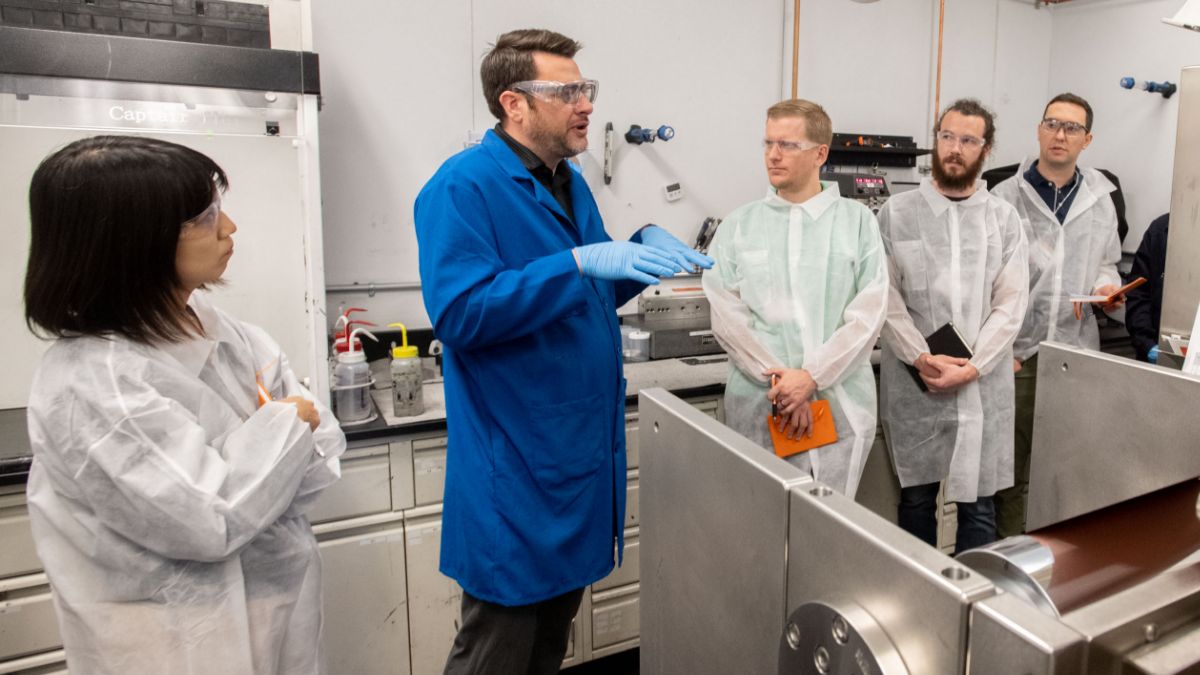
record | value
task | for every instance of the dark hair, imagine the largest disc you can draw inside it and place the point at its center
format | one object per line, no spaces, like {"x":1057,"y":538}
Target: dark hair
{"x":1068,"y":97}
{"x":105,"y":215}
{"x":511,"y":60}
{"x":970,"y":107}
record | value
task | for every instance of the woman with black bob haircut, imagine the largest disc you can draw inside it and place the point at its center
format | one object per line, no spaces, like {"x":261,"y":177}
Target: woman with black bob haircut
{"x":175,"y":452}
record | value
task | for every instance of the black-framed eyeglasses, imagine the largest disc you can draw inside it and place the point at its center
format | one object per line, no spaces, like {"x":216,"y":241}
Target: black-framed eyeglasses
{"x":1053,"y":126}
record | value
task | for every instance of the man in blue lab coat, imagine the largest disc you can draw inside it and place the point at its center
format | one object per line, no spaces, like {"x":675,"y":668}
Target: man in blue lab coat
{"x":522,"y":284}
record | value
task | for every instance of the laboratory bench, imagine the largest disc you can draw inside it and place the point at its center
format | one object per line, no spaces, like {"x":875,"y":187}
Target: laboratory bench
{"x":379,"y":530}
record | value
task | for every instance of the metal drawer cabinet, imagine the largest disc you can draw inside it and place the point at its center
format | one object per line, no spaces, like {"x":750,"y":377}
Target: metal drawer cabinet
{"x":17,"y":555}
{"x":364,"y":593}
{"x":45,"y":663}
{"x":364,"y":488}
{"x":418,"y":471}
{"x":628,"y":572}
{"x":27,"y":622}
{"x":632,"y":512}
{"x":616,"y":623}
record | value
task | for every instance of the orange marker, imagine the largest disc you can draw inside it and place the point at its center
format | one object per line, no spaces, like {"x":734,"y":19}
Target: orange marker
{"x":264,"y":396}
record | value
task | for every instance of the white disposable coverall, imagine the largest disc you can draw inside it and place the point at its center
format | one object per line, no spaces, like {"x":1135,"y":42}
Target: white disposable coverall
{"x":962,"y":262}
{"x":802,"y":286}
{"x":168,"y":508}
{"x":1073,"y":258}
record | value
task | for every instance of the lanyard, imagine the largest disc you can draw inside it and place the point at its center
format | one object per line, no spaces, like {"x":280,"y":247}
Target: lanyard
{"x":1058,"y":205}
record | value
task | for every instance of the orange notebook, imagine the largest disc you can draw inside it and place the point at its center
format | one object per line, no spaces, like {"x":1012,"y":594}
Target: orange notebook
{"x":823,"y":432}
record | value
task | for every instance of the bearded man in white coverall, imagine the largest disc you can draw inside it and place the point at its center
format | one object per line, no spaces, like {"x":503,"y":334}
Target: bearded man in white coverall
{"x":798,"y":292}
{"x":956,"y":255}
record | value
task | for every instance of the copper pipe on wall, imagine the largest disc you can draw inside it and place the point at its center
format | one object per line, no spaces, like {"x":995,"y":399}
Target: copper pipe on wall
{"x":795,"y":47}
{"x":937,"y":95}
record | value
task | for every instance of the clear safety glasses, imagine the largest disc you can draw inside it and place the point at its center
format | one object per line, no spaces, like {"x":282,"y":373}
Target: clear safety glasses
{"x":203,"y":224}
{"x":789,"y":147}
{"x":563,"y":92}
{"x":967,"y":142}
{"x":1053,"y":126}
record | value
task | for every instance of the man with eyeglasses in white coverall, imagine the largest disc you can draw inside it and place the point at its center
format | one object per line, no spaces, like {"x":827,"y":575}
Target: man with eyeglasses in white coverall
{"x":1071,"y":229}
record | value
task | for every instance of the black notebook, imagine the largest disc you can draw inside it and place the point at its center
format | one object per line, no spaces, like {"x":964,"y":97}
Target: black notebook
{"x":946,"y":341}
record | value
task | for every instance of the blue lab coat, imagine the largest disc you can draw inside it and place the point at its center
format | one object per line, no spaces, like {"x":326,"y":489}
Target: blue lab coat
{"x":535,"y":398}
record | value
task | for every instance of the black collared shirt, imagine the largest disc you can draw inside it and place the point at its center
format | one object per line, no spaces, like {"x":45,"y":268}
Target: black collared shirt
{"x":557,"y":182}
{"x":1058,"y":199}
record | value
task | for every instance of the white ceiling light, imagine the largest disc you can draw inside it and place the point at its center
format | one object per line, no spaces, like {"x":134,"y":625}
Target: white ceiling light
{"x":1188,"y":16}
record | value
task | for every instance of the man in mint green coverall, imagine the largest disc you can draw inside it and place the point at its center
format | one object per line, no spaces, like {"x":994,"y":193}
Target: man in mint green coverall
{"x":799,"y":292}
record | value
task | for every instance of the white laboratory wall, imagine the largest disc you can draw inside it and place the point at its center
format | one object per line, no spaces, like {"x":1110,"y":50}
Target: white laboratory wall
{"x":873,"y":65}
{"x":287,"y":24}
{"x":869,"y":65}
{"x":1020,"y":86}
{"x":396,"y":101}
{"x":401,"y":92}
{"x":969,"y":40}
{"x":708,"y":69}
{"x":998,"y":51}
{"x":1094,"y":45}
{"x":866,"y":64}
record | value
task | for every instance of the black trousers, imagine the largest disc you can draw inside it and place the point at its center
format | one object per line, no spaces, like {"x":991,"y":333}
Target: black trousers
{"x":522,"y":640}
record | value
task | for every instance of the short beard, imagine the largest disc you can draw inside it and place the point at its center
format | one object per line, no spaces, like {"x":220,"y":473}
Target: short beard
{"x":555,"y":143}
{"x":960,"y":182}
{"x":549,"y":139}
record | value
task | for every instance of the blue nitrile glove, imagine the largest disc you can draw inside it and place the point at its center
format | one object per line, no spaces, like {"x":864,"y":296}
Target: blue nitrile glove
{"x":686,"y":256}
{"x":621,"y":260}
{"x":1152,"y":356}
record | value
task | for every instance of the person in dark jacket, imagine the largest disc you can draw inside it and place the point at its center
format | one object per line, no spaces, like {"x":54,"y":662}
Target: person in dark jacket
{"x":1143,"y":307}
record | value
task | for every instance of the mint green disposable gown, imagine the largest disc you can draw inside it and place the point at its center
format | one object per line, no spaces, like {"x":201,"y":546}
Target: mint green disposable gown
{"x":802,"y":286}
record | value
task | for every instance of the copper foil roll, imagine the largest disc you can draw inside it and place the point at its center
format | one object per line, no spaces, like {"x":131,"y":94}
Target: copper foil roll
{"x":1101,"y":553}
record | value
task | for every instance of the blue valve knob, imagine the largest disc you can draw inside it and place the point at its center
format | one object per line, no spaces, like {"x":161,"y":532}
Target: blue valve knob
{"x":637,"y":135}
{"x":1164,"y":88}
{"x":1167,"y":89}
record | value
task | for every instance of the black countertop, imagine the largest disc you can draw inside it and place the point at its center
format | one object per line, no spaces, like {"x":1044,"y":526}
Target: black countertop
{"x":15,"y":452}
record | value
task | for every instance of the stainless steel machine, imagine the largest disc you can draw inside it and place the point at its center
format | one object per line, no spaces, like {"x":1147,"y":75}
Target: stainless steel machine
{"x":1181,"y":285}
{"x":676,"y":313}
{"x":750,"y":566}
